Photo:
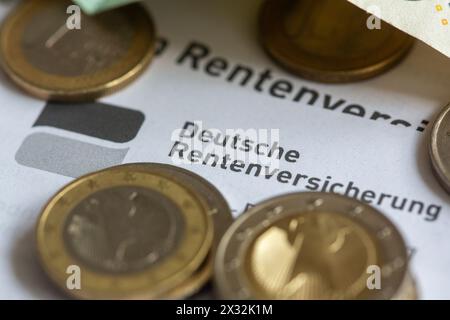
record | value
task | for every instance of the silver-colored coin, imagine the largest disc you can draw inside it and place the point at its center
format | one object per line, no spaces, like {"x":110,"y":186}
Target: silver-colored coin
{"x":440,"y":147}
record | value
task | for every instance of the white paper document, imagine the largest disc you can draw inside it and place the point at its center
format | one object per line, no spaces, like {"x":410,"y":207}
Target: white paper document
{"x":367,"y":140}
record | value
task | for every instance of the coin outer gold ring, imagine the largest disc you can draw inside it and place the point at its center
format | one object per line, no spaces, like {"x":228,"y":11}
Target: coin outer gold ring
{"x":273,"y":44}
{"x":80,"y":88}
{"x":229,"y":277}
{"x":439,"y":148}
{"x":147,"y":284}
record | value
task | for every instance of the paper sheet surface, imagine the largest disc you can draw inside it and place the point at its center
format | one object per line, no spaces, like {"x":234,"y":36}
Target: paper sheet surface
{"x":368,"y":137}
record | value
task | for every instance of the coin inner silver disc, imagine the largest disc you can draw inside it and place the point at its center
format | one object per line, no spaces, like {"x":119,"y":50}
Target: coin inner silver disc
{"x":124,"y":229}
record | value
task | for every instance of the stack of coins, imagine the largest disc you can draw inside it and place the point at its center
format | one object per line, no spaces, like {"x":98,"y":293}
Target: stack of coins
{"x":329,"y":40}
{"x":439,"y":148}
{"x":137,"y":231}
{"x":154,"y":231}
{"x":50,"y":57}
{"x":313,"y":246}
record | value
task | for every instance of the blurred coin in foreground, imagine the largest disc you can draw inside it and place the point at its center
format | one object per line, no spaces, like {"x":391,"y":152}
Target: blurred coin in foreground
{"x":217,"y":205}
{"x":311,"y":246}
{"x":328,"y":40}
{"x":440,"y":148}
{"x":52,"y":61}
{"x":132,"y":234}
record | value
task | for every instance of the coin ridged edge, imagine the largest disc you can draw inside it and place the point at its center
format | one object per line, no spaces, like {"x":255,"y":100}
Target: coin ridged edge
{"x":220,"y":283}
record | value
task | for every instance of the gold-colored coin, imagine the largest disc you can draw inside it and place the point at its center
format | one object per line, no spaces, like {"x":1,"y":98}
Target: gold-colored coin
{"x":46,"y":55}
{"x":218,"y":209}
{"x":132,"y":234}
{"x":310,"y":246}
{"x":328,"y":40}
{"x":439,"y":147}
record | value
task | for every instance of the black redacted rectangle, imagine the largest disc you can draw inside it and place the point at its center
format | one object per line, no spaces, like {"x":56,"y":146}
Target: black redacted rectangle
{"x":95,"y":119}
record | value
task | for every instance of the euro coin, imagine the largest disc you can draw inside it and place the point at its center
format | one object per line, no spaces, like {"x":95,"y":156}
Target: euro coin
{"x":130,"y":234}
{"x":439,"y":147}
{"x":311,"y":246}
{"x":329,"y":40}
{"x":53,"y":55}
